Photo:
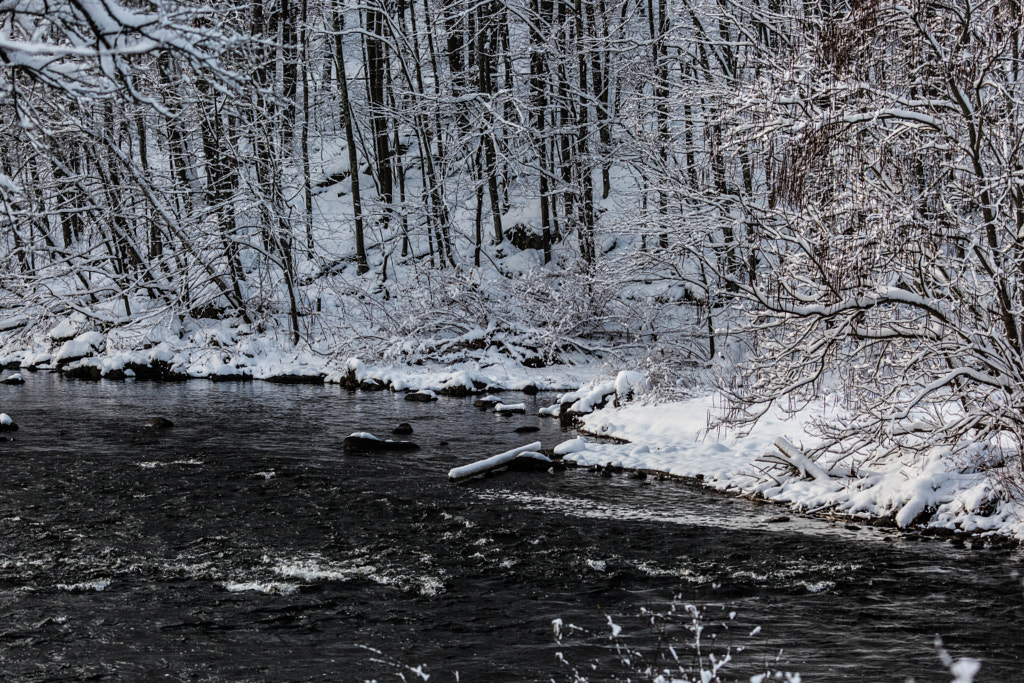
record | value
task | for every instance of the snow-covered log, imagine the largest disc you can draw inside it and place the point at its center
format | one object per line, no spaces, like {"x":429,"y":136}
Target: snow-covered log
{"x":492,"y":463}
{"x":794,"y":457}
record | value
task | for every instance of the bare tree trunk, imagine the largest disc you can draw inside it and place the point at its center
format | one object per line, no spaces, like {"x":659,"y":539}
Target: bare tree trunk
{"x":362,"y":266}
{"x":377,"y":63}
{"x":307,"y":190}
{"x":581,"y":152}
{"x":541,"y":10}
{"x":485,"y":39}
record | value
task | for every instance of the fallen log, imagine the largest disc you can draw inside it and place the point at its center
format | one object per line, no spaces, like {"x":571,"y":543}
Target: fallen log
{"x":792,"y":456}
{"x":491,"y":463}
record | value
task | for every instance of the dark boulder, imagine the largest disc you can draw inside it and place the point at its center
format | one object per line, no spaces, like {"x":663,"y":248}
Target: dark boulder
{"x":359,"y":445}
{"x":524,"y":236}
{"x":350,"y":380}
{"x":421,"y":397}
{"x":295,"y":379}
{"x":159,"y":423}
{"x":526,"y":429}
{"x":13,"y":379}
{"x":7,"y":424}
{"x":371,"y":384}
{"x":461,"y":390}
{"x":403,"y":429}
{"x":236,"y":377}
{"x":486,"y":403}
{"x":86,"y":372}
{"x":529,"y":463}
{"x":157,"y":371}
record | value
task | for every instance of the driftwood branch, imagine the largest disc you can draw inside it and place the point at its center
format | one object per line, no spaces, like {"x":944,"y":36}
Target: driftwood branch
{"x":791,"y":456}
{"x":492,"y":463}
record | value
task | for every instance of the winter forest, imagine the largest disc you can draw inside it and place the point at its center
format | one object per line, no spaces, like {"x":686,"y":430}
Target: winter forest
{"x":790,"y":201}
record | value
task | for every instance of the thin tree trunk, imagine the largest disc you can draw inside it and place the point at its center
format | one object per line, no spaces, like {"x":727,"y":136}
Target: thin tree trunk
{"x":362,"y":266}
{"x":307,"y":190}
{"x":485,"y":43}
{"x":538,"y":92}
{"x":376,"y":80}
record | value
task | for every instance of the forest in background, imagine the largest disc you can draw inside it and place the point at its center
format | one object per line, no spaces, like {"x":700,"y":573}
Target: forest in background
{"x":801,"y":199}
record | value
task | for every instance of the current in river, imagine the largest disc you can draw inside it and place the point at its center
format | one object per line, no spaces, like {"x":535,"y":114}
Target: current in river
{"x":243,"y":544}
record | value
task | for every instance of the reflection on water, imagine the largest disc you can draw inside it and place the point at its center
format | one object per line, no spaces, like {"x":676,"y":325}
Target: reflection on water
{"x":242,"y":544}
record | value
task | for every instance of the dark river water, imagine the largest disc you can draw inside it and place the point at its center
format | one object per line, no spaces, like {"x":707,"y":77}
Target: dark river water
{"x":244,"y":545}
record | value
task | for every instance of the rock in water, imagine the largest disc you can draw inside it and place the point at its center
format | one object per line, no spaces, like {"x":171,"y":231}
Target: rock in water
{"x":13,"y":379}
{"x":526,"y":429}
{"x":487,"y":402}
{"x":159,"y":423}
{"x":421,"y":396}
{"x":403,"y":429}
{"x":7,"y":424}
{"x":530,"y":462}
{"x":362,"y":443}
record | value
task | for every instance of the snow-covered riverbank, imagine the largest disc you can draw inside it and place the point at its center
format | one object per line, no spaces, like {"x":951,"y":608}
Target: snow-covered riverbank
{"x":221,"y":350}
{"x":935,"y":491}
{"x":669,"y":437}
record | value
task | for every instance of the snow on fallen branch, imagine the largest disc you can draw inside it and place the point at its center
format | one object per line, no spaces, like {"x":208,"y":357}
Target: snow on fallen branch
{"x":792,"y":456}
{"x":491,"y":463}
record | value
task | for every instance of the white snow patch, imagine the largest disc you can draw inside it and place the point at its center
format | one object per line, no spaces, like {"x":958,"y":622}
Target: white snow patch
{"x":85,"y":344}
{"x":576,"y":445}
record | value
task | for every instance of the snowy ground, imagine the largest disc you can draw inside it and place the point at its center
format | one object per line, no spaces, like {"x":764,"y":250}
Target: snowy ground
{"x":674,"y":438}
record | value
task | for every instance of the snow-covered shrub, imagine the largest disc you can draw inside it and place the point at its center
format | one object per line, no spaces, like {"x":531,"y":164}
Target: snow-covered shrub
{"x":536,"y":317}
{"x":885,"y":275}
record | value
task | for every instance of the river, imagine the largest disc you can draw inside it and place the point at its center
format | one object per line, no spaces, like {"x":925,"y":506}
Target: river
{"x":244,"y":545}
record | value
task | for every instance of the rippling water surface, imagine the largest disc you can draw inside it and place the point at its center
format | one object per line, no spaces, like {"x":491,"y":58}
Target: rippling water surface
{"x":243,"y":545}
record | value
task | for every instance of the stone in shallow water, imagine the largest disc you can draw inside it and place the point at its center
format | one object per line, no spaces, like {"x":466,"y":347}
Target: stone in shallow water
{"x":363,"y":444}
{"x":487,"y":402}
{"x":402,"y":429}
{"x":421,"y":397}
{"x":530,"y":463}
{"x":295,"y":379}
{"x":159,"y":423}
